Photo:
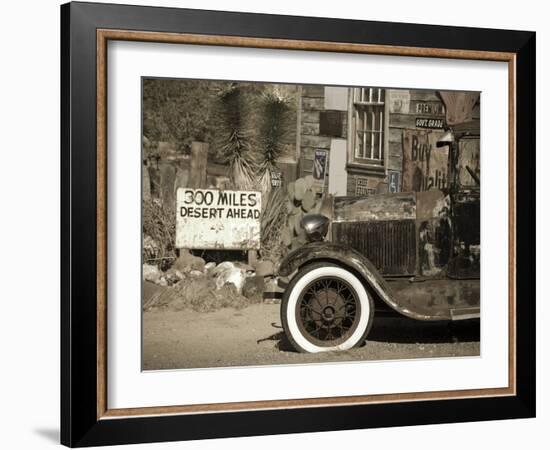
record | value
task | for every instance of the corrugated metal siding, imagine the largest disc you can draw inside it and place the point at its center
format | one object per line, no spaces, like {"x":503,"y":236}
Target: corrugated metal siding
{"x":389,"y":245}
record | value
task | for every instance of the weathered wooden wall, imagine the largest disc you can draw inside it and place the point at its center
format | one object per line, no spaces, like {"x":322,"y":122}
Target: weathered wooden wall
{"x":319,"y":125}
{"x":313,"y":102}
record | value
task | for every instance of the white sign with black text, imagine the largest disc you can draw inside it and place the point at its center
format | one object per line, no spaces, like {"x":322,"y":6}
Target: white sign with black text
{"x":215,"y":219}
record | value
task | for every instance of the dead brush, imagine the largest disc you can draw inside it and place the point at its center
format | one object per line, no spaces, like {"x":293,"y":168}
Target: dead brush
{"x":274,"y":126}
{"x":160,"y":225}
{"x":273,"y":221}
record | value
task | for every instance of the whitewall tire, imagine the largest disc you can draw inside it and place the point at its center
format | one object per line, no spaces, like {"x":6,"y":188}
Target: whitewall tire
{"x":326,"y":308}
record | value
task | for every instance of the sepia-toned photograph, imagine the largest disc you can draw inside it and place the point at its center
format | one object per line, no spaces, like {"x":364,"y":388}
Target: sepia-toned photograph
{"x":299,"y":224}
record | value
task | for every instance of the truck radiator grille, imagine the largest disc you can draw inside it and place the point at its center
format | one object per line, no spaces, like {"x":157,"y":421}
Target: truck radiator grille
{"x":389,"y":245}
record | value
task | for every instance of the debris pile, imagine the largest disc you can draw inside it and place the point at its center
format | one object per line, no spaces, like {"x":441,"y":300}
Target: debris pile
{"x":193,"y":284}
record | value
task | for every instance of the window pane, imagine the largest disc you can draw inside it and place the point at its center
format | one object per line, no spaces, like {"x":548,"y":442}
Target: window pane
{"x":369,"y":140}
{"x":358,"y":145}
{"x":370,"y":117}
{"x":376,"y":119}
{"x":376,"y":151}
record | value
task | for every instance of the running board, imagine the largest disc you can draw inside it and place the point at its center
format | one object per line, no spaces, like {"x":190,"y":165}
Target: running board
{"x":465,"y":313}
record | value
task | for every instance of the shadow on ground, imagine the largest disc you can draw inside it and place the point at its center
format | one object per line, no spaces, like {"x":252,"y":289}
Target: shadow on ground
{"x":408,"y":331}
{"x":401,"y":330}
{"x":282,"y":343}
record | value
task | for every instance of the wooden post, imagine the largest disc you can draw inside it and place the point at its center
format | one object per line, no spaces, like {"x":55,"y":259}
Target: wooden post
{"x":252,"y":257}
{"x":298,"y":167}
{"x":145,"y":183}
{"x":167,"y":181}
{"x":197,"y":172}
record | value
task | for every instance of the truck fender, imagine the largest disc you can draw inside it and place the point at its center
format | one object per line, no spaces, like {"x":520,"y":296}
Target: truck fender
{"x":346,"y":256}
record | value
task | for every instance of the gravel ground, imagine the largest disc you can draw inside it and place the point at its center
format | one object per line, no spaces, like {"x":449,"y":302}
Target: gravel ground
{"x":253,"y":336}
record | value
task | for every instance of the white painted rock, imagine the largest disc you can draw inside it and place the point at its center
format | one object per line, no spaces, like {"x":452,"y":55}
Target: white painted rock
{"x":233,"y":276}
{"x":209,"y":268}
{"x":222,"y":267}
{"x":151,"y":273}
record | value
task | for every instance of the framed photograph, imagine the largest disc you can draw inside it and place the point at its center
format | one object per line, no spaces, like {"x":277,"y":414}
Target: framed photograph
{"x":278,"y":224}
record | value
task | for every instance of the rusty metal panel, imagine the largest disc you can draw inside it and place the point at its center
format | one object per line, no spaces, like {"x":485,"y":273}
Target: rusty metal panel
{"x":380,"y":207}
{"x":434,"y":232}
{"x":468,"y":166}
{"x":439,"y":298}
{"x":389,"y":245}
{"x":216,"y":219}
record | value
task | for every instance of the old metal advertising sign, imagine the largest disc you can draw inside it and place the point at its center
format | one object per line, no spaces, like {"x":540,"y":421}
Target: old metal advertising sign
{"x":399,"y":101}
{"x":435,"y":109}
{"x":319,"y":169}
{"x":394,"y":181}
{"x":424,"y":165}
{"x":215,"y":219}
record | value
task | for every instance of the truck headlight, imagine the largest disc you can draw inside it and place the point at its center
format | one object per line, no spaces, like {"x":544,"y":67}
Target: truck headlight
{"x":315,"y":226}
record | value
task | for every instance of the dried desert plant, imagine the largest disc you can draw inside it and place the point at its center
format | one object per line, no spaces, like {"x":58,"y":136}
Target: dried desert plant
{"x":275,"y":121}
{"x":273,"y":224}
{"x":159,"y":231}
{"x":236,"y":143}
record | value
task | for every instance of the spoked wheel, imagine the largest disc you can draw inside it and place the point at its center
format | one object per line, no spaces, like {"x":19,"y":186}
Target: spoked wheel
{"x":326,"y":308}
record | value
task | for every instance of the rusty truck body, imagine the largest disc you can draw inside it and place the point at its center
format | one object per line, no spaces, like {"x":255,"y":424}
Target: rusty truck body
{"x":414,"y":253}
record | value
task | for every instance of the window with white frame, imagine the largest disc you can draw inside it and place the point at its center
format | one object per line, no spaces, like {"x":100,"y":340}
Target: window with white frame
{"x":368,"y":124}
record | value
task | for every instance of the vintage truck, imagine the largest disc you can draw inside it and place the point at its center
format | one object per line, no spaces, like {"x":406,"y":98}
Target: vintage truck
{"x":414,"y":253}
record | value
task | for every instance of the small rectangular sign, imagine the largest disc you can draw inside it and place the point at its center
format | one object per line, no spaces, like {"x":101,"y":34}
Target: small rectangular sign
{"x":365,"y":186}
{"x":431,"y":108}
{"x":215,"y":219}
{"x":430,"y":122}
{"x":276,"y":178}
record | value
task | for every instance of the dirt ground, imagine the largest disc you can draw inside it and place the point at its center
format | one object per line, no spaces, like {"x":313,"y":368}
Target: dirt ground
{"x":253,"y":336}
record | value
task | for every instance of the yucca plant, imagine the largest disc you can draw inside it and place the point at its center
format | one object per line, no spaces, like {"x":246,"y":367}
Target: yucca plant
{"x":273,"y":128}
{"x":236,"y":145}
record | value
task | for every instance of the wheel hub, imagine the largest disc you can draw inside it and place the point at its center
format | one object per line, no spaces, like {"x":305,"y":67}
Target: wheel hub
{"x":328,"y":313}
